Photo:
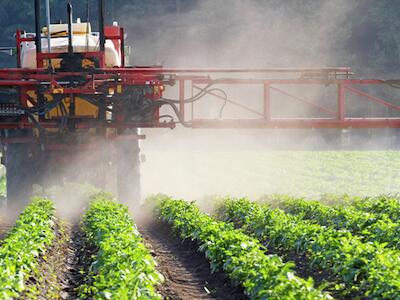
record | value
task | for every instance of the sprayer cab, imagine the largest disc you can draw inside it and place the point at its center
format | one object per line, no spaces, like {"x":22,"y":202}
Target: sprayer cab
{"x":72,"y":93}
{"x":83,"y":41}
{"x":72,"y":102}
{"x":71,"y":46}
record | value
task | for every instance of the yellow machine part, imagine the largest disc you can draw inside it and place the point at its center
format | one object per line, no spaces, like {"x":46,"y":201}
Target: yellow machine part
{"x":82,"y":107}
{"x":55,"y":63}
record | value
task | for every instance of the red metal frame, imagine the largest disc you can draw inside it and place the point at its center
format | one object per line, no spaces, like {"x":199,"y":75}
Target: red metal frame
{"x":194,"y":80}
{"x":112,"y":78}
{"x":328,"y":118}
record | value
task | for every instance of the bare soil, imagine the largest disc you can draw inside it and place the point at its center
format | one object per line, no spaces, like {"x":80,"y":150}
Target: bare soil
{"x":3,"y":230}
{"x":63,"y":267}
{"x":46,"y":282}
{"x":187,"y":272}
{"x":77,"y":263}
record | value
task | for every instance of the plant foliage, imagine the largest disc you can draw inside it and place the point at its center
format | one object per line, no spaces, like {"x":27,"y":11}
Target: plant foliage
{"x":30,"y":237}
{"x":370,"y":226}
{"x":123,"y":266}
{"x":240,"y":256}
{"x":384,"y":205}
{"x":367,"y":269}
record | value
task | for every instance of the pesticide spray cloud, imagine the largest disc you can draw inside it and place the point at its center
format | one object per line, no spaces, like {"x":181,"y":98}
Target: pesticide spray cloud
{"x":241,"y":33}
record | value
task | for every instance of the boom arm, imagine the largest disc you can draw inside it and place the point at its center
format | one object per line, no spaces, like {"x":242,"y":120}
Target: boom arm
{"x":232,"y":98}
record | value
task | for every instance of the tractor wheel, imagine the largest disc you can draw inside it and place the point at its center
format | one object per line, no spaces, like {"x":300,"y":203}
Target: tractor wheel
{"x":127,"y":162}
{"x":19,"y":167}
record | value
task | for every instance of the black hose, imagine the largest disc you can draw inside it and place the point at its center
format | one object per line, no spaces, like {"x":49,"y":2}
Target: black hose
{"x":394,"y":83}
{"x":196,"y":97}
{"x":166,"y":116}
{"x":36,"y":123}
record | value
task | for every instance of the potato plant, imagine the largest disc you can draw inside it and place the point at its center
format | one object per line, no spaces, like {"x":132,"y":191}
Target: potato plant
{"x":384,"y":205}
{"x":32,"y":234}
{"x":123,"y":267}
{"x":240,"y":256}
{"x":369,"y":270}
{"x":370,"y":226}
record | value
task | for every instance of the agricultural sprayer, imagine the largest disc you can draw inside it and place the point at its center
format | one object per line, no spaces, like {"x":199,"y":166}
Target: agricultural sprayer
{"x":73,"y":104}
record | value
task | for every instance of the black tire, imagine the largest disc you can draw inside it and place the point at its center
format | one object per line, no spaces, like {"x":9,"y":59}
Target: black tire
{"x":20,"y":170}
{"x":127,"y":162}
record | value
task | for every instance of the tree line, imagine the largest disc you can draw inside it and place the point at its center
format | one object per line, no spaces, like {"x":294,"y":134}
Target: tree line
{"x":372,"y":42}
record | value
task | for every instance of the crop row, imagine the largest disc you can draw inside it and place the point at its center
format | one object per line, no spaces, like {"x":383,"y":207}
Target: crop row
{"x":123,"y":267}
{"x":371,"y":226}
{"x":365,"y":269}
{"x":237,"y":254}
{"x":389,"y":206}
{"x":32,"y":234}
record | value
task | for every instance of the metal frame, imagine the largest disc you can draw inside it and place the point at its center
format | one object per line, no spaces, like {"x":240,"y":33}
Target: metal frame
{"x":107,"y":81}
{"x":104,"y":79}
{"x":328,"y":117}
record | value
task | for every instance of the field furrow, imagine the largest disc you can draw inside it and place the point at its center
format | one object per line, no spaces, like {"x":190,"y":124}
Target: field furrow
{"x":187,"y":272}
{"x":240,"y":256}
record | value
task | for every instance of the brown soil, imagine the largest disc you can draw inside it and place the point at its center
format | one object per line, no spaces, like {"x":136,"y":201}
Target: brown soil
{"x":5,"y":226}
{"x":3,"y":231}
{"x":46,"y":282}
{"x":77,"y":264}
{"x":303,"y":269}
{"x":187,"y":272}
{"x":60,"y":269}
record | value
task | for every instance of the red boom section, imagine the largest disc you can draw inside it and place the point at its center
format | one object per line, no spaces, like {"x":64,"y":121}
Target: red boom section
{"x":302,"y":98}
{"x":228,"y":98}
{"x":104,"y":82}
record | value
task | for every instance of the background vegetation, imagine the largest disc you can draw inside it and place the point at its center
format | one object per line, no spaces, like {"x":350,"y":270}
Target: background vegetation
{"x":364,"y":34}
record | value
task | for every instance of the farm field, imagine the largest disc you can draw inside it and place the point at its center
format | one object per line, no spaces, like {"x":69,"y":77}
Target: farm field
{"x":200,"y":150}
{"x":244,"y":250}
{"x":42,"y":257}
{"x":246,"y":173}
{"x":2,"y":181}
{"x":282,"y":246}
{"x":354,"y":266}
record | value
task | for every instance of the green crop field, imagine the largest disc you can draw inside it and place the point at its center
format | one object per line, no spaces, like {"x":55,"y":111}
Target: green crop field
{"x":276,"y":247}
{"x":2,"y":181}
{"x":264,"y":240}
{"x":298,"y":173}
{"x":353,"y":251}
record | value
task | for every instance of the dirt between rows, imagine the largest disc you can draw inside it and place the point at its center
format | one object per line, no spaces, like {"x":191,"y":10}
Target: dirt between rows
{"x":62,"y":269}
{"x":3,"y":231}
{"x":77,"y":263}
{"x":64,"y":266}
{"x":187,"y":272}
{"x":4,"y":228}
